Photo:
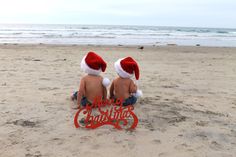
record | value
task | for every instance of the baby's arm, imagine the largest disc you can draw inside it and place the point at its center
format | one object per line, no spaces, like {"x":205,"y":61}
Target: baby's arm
{"x":112,"y":90}
{"x":81,"y":91}
{"x":132,"y":87}
{"x":104,"y":92}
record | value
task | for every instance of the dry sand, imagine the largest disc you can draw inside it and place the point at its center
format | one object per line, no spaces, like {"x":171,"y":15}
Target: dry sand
{"x":188,"y":108}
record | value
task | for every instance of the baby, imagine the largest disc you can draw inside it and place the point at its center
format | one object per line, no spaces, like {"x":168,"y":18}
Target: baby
{"x":92,"y":85}
{"x":124,"y":87}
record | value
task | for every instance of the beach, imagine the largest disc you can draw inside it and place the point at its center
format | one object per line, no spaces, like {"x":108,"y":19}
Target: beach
{"x":188,"y":107}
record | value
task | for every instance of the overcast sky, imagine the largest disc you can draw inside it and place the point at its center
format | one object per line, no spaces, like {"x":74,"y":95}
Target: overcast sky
{"x":198,"y":13}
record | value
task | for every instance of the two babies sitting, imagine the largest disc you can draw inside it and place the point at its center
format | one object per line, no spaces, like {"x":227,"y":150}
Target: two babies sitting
{"x":93,"y":85}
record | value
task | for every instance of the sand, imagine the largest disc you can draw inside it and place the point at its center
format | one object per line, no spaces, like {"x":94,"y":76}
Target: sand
{"x":188,"y":107}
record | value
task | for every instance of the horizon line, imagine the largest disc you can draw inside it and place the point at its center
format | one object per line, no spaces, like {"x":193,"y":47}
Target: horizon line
{"x":203,"y":27}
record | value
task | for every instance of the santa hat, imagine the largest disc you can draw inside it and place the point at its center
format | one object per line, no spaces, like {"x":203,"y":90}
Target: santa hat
{"x":93,"y":64}
{"x":127,"y":67}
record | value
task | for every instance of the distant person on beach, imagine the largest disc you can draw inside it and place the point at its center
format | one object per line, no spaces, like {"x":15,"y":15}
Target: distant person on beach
{"x":92,"y":85}
{"x":123,"y":87}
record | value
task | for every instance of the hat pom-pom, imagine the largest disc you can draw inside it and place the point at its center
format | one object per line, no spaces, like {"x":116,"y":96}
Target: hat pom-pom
{"x":138,"y":94}
{"x":106,"y":82}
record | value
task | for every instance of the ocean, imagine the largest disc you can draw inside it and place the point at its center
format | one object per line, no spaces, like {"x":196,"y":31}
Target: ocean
{"x":116,"y":35}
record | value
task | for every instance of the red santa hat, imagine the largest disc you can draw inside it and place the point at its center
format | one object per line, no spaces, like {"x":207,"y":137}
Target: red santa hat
{"x":127,"y":67}
{"x":93,"y":64}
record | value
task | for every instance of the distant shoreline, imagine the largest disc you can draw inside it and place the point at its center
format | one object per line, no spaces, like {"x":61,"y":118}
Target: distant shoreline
{"x":115,"y":45}
{"x":117,"y":35}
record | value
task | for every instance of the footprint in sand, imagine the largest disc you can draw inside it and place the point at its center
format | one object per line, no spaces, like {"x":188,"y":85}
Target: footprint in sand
{"x":177,"y":101}
{"x":106,"y":132}
{"x":36,"y":154}
{"x":47,"y":79}
{"x":145,"y":109}
{"x":156,"y":141}
{"x":233,"y":132}
{"x":181,"y":146}
{"x":170,"y":86}
{"x":15,"y":140}
{"x":179,"y":119}
{"x":201,"y":123}
{"x":147,"y":100}
{"x":216,"y":146}
{"x":128,"y":143}
{"x":48,"y":88}
{"x":118,"y":142}
{"x":202,"y":136}
{"x":59,"y":141}
{"x":85,"y":139}
{"x":147,"y":124}
{"x":162,"y":154}
{"x":24,"y":123}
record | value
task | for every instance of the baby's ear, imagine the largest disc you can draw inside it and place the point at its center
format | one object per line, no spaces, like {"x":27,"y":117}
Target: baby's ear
{"x":106,"y":82}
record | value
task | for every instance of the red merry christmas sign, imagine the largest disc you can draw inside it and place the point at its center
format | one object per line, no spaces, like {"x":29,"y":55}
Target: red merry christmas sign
{"x":110,"y":112}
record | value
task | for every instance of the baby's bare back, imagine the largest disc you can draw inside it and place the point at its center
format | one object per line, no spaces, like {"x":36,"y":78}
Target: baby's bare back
{"x":123,"y":87}
{"x":93,"y":87}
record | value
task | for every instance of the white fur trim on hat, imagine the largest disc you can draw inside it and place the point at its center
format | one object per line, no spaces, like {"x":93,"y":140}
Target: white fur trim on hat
{"x":87,"y":69}
{"x":106,"y":82}
{"x":120,"y":70}
{"x":138,"y":94}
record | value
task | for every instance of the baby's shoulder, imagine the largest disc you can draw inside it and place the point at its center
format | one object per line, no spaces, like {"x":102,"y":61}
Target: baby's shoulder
{"x":84,"y":77}
{"x":93,"y":77}
{"x":131,"y":81}
{"x":117,"y":79}
{"x":123,"y":80}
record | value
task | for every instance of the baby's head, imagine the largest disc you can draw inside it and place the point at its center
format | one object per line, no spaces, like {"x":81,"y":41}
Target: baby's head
{"x":93,"y":64}
{"x":127,"y":67}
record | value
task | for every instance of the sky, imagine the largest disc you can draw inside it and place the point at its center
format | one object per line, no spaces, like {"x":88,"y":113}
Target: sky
{"x":189,"y":13}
